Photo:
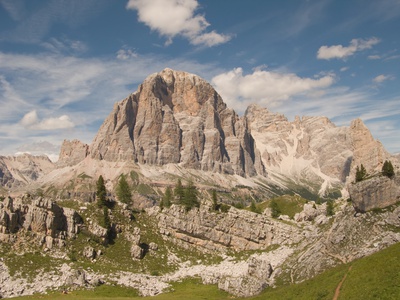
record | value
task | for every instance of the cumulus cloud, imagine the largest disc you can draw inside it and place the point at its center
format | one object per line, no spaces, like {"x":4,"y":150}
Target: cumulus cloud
{"x":32,"y":121}
{"x":267,"y":88}
{"x":342,"y":52}
{"x":171,"y":18}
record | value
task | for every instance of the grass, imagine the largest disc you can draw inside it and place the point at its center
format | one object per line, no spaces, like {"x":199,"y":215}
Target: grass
{"x":373,"y":277}
{"x":288,"y":205}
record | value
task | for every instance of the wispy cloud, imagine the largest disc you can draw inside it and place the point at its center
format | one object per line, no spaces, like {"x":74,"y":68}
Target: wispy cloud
{"x":70,"y":95}
{"x":381,"y":78}
{"x":172,"y":18}
{"x":342,"y":52}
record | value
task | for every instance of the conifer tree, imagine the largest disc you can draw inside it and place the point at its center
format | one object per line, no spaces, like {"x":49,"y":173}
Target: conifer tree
{"x":106,"y":219}
{"x":361,"y":173}
{"x":166,"y":202}
{"x":101,"y":192}
{"x":123,"y":190}
{"x":190,"y":196}
{"x":387,"y":169}
{"x":179,"y":191}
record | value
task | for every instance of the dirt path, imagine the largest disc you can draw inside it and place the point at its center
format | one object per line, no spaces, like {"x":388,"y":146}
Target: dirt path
{"x":337,"y":291}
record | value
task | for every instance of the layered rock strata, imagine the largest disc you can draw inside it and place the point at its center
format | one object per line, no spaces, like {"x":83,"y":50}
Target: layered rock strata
{"x":177,"y":117}
{"x":236,"y":229}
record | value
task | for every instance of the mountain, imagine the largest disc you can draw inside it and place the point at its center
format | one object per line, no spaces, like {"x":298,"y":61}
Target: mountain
{"x":21,"y":170}
{"x":177,"y":117}
{"x":54,"y":235}
{"x":176,"y":123}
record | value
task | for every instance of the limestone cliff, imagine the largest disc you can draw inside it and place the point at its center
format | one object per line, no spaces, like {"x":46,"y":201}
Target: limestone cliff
{"x":177,"y":117}
{"x":50,"y":222}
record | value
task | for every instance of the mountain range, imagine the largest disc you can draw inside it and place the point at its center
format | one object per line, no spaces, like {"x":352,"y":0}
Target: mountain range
{"x":177,"y":122}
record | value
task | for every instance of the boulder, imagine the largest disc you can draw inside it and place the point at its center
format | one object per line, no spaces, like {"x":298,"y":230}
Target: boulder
{"x":376,"y":192}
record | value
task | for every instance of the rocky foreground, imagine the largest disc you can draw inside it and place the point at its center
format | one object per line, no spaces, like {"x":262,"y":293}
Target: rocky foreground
{"x":295,"y":249}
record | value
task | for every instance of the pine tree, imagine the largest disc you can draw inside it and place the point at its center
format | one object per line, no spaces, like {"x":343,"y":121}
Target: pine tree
{"x":106,"y":219}
{"x":167,"y":197}
{"x":361,"y":173}
{"x":179,"y":191}
{"x":190,"y":196}
{"x":101,"y":192}
{"x":123,"y":190}
{"x":387,"y":169}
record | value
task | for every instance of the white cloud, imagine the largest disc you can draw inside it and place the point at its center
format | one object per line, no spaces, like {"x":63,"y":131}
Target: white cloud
{"x":343,"y":69}
{"x":171,"y":18}
{"x":65,"y":46}
{"x":264,"y":87}
{"x":341,"y":52}
{"x":374,"y":57}
{"x":210,"y":39}
{"x":32,"y":121}
{"x":124,"y":54}
{"x":381,"y":78}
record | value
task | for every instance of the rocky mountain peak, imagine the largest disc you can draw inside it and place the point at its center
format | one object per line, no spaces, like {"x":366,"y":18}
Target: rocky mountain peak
{"x":177,"y":117}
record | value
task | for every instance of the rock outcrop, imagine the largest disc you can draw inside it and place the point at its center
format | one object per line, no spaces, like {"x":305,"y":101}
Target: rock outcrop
{"x":43,"y":216}
{"x":236,"y":229}
{"x":177,"y":117}
{"x":72,"y":153}
{"x":376,"y":192}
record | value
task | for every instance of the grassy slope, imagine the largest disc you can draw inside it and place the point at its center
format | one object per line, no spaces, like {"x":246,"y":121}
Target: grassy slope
{"x":373,"y":277}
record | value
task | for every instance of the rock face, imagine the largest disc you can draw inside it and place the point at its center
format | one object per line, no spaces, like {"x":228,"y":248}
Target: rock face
{"x":313,"y":148}
{"x":377,"y":192}
{"x":236,"y":229}
{"x":23,"y":169}
{"x":42,"y":216}
{"x":177,"y":117}
{"x":72,"y":152}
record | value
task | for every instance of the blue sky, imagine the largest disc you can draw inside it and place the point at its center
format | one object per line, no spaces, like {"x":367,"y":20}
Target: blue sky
{"x":64,"y":63}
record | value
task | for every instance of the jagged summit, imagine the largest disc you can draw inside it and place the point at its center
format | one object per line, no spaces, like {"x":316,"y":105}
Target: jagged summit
{"x":177,"y":117}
